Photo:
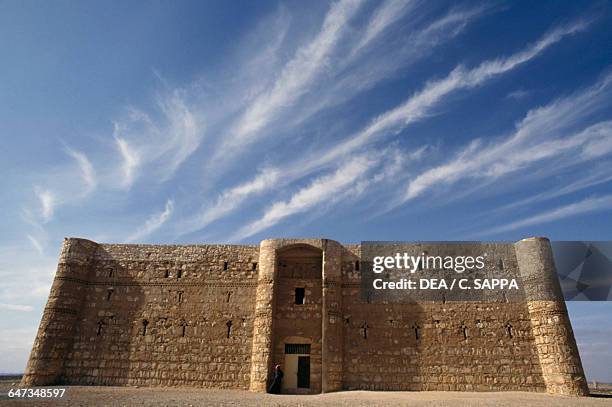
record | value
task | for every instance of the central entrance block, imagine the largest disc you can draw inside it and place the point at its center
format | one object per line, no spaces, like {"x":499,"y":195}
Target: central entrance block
{"x":297,"y":321}
{"x":298,"y":302}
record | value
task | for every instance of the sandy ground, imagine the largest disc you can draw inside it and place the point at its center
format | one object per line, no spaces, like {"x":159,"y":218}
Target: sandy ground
{"x":130,"y":396}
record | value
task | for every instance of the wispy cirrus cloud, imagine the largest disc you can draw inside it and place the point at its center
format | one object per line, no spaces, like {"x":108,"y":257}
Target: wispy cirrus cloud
{"x":518,"y":94}
{"x":421,"y":104}
{"x":417,"y":107}
{"x":162,"y":142}
{"x":594,"y":176}
{"x":577,"y":208}
{"x":47,"y":202}
{"x":153,"y":223}
{"x":536,"y":138}
{"x":37,"y":245}
{"x":342,"y":86}
{"x":349,"y":180}
{"x":355,"y":75}
{"x":130,"y":161}
{"x":88,"y":173}
{"x":323,"y":189}
{"x":182,"y":135}
{"x":229,"y":200}
{"x":386,"y":15}
{"x":296,"y":77}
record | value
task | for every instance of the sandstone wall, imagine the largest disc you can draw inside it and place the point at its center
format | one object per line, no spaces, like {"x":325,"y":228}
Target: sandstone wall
{"x":60,"y":317}
{"x":162,"y":315}
{"x":299,"y":323}
{"x":453,"y":345}
{"x":285,"y":265}
{"x":220,"y":316}
{"x":554,"y":338}
{"x":496,"y":345}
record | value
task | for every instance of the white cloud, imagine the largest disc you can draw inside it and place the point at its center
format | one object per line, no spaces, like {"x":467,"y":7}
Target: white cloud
{"x":595,"y":177}
{"x":518,"y":94}
{"x":355,"y":75}
{"x":535,"y":139}
{"x":491,"y":68}
{"x":393,"y":162}
{"x":59,"y":183}
{"x":153,"y":223}
{"x":230,"y":199}
{"x":163,"y":143}
{"x":88,"y":174}
{"x":451,"y":24}
{"x":389,"y":13}
{"x":131,"y":161}
{"x":420,"y":105}
{"x":323,"y":73}
{"x":37,"y":245}
{"x":585,"y":206}
{"x":297,"y":75}
{"x":47,"y":202}
{"x":599,"y":143}
{"x":181,"y":136}
{"x":393,"y":167}
{"x":325,"y":189}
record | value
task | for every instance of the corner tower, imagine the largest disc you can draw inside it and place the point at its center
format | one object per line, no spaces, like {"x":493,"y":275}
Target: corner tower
{"x":556,"y":347}
{"x":56,"y":331}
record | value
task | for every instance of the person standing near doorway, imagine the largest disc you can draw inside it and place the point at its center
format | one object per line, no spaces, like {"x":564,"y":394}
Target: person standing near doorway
{"x":275,"y":387}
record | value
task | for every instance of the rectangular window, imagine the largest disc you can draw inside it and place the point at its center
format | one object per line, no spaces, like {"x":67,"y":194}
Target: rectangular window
{"x":297,"y":349}
{"x":299,"y":295}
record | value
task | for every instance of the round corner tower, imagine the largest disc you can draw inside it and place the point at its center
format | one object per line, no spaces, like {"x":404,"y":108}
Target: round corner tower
{"x":55,"y":333}
{"x":557,"y":351}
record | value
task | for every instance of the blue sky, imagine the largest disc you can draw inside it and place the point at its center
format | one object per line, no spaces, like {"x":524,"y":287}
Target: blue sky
{"x":171,"y":122}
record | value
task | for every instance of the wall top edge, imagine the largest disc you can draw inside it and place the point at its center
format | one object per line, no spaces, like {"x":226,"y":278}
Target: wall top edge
{"x":282,"y":242}
{"x":535,"y":238}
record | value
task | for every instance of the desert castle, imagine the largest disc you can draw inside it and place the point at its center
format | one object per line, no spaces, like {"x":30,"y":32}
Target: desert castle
{"x":220,"y":316}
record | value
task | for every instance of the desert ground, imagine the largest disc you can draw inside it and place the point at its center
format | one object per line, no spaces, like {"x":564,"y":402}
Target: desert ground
{"x":139,"y":396}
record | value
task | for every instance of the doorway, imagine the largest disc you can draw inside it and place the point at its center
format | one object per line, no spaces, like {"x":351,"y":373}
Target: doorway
{"x":303,"y":372}
{"x":297,"y":369}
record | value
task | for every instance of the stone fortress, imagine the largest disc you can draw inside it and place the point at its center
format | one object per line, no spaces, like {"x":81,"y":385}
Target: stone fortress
{"x":221,"y":316}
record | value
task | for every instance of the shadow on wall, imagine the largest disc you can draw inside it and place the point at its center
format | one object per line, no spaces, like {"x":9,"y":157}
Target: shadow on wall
{"x":436,"y":344}
{"x":112,"y":326}
{"x":148,"y":315}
